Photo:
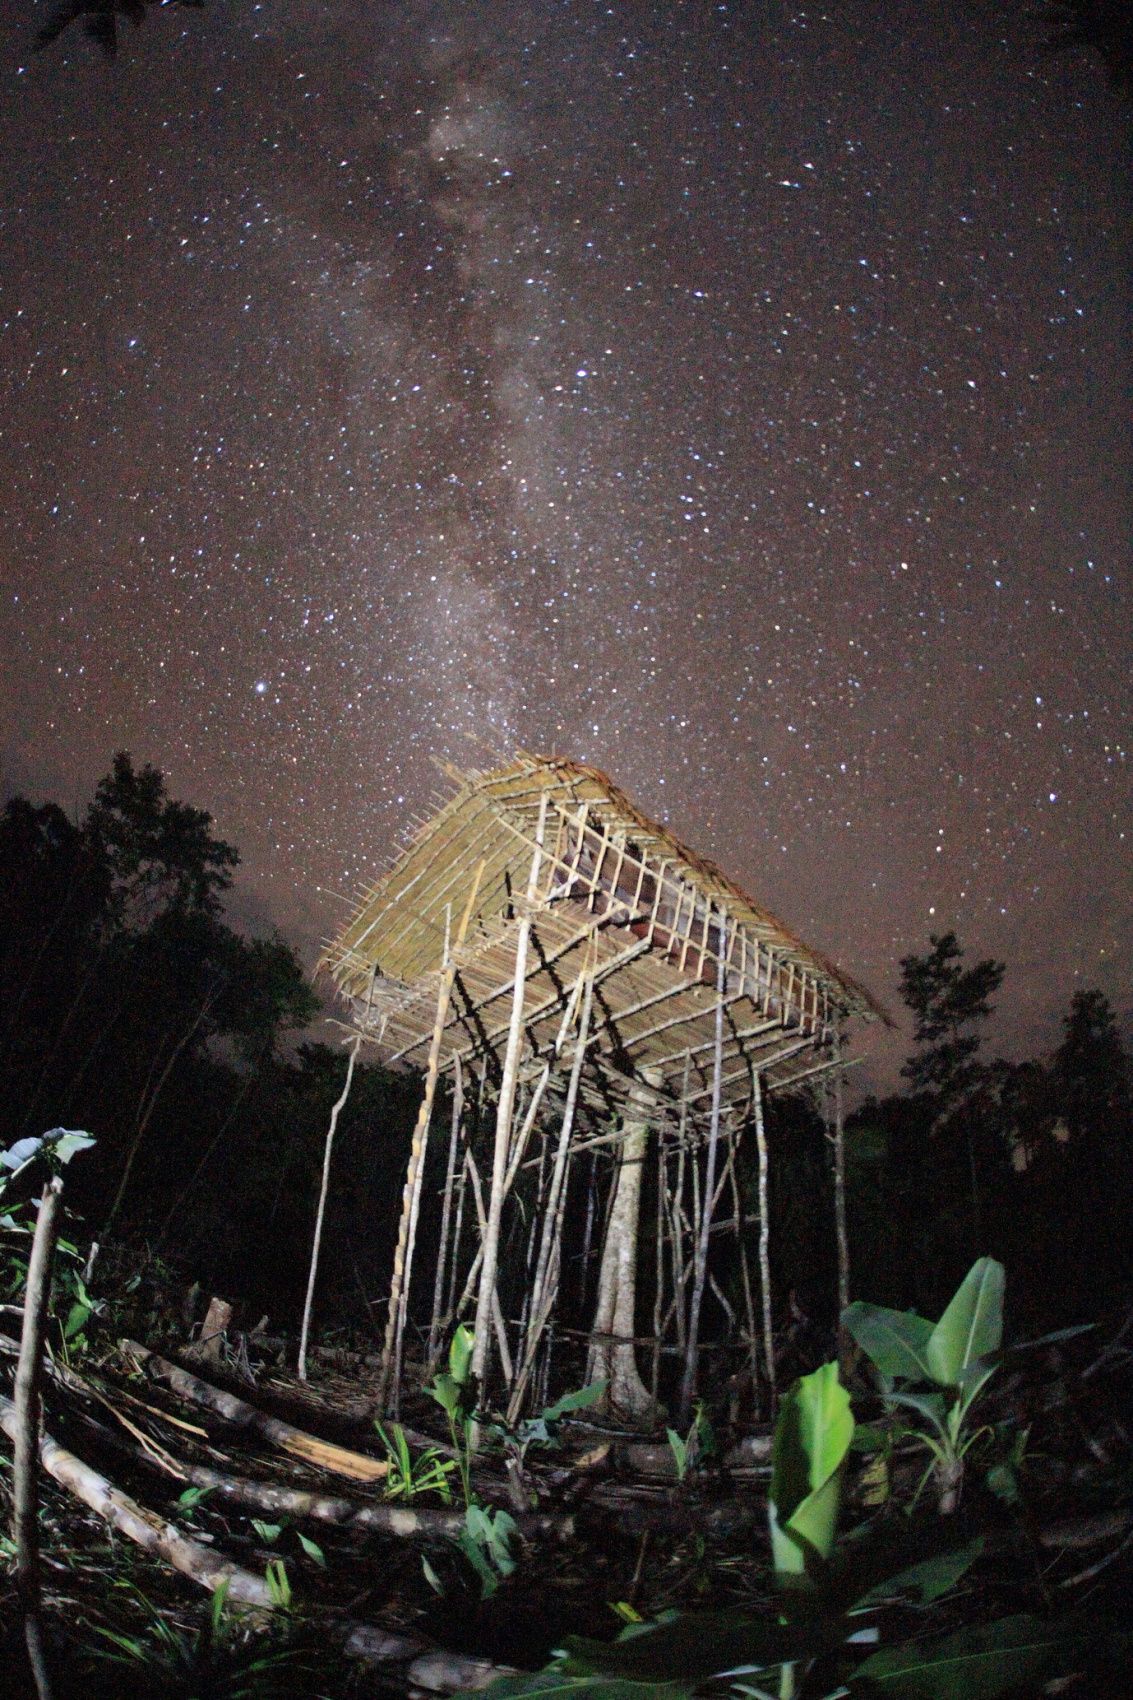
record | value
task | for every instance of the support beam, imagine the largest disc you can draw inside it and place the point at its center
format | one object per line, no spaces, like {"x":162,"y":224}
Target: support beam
{"x":403,"y":1251}
{"x":700,"y":1269}
{"x":488,"y":1268}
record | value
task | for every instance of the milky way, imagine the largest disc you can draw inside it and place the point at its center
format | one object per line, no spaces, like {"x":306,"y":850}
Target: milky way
{"x":734,"y":396}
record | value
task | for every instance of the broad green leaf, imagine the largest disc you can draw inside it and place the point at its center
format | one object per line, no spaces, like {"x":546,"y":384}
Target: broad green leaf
{"x":460,"y":1354}
{"x":895,"y":1340}
{"x":312,"y":1549}
{"x":268,"y":1532}
{"x":929,"y":1578}
{"x":930,"y":1405}
{"x":68,"y":1142}
{"x":21,"y":1152}
{"x":972,"y":1325}
{"x":976,"y":1663}
{"x":77,"y":1318}
{"x":557,"y":1684}
{"x":812,"y":1440}
{"x":689,"y":1648}
{"x":577,"y":1401}
{"x":447,"y":1394}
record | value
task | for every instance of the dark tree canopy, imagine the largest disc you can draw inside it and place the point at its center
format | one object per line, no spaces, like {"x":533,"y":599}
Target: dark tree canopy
{"x":99,"y":19}
{"x":950,"y":1003}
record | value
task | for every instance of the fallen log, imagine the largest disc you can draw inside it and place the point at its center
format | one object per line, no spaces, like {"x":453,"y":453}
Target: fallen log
{"x":359,"y":1466}
{"x":425,"y":1666}
{"x":425,"y":1522}
{"x":151,"y":1532}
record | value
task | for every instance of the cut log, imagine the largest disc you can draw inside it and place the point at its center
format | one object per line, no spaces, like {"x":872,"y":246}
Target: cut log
{"x":428,"y":1667}
{"x":214,"y":1332}
{"x":359,"y":1466}
{"x":425,"y":1522}
{"x":151,"y":1532}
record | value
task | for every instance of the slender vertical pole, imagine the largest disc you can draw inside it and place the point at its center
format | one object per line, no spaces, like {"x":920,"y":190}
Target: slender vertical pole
{"x":840,"y":1227}
{"x":544,"y":1291}
{"x":745,"y":1273}
{"x":488,"y":1268}
{"x":312,"y":1274}
{"x":676,"y":1210}
{"x":701,"y":1258}
{"x":588,"y":1230}
{"x":446,"y":1210}
{"x":764,"y":1236}
{"x":659,"y":1289}
{"x":25,"y":1461}
{"x":403,"y":1252}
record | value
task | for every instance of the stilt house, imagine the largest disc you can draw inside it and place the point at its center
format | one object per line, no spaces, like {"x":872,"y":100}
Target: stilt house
{"x":611,"y":1012}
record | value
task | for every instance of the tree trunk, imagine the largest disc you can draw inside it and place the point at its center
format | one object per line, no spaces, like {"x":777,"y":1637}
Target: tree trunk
{"x":626,"y":1395}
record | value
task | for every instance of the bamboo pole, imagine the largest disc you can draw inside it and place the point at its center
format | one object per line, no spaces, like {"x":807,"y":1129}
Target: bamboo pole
{"x":543,"y":1291}
{"x":446,"y":1211}
{"x":487,"y":1290}
{"x":701,"y":1259}
{"x":402,"y":1257}
{"x":588,"y":1231}
{"x":838,"y":1139}
{"x":745,"y":1272}
{"x":458,"y":1228}
{"x":312,"y":1273}
{"x":659,"y":1268}
{"x":764,"y":1237}
{"x":324,"y":1454}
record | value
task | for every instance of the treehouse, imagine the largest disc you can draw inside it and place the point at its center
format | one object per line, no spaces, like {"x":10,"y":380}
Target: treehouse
{"x":611,"y":1012}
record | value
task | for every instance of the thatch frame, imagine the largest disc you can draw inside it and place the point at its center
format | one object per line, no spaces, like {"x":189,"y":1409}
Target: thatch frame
{"x":601,"y":971}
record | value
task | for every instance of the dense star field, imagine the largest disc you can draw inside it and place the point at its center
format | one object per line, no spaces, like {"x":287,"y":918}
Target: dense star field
{"x":734,"y":396}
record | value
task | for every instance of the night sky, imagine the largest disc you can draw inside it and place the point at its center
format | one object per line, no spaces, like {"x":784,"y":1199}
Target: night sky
{"x":733,"y":396}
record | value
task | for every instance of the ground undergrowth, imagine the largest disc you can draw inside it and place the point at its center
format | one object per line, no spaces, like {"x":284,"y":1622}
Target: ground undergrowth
{"x":677,"y":1526}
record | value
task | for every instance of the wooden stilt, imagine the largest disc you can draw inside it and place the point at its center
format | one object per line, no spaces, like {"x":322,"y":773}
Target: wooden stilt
{"x":312,"y":1274}
{"x":446,"y":1211}
{"x":659,"y":1272}
{"x":764,"y":1238}
{"x":544,"y":1291}
{"x":487,"y":1288}
{"x":701,"y":1261}
{"x":745,"y":1273}
{"x":403,"y":1252}
{"x":838,"y":1140}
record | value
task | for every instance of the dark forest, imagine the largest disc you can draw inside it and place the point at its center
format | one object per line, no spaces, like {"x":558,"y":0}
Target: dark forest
{"x":134,"y":1011}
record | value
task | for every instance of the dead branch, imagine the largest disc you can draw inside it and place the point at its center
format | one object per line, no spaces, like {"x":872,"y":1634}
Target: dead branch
{"x":151,"y":1532}
{"x":426,"y":1667}
{"x":426,"y":1522}
{"x":359,"y":1466}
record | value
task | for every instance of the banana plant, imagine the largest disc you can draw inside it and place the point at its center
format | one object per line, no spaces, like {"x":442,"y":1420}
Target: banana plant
{"x":812,"y":1442}
{"x":823,"y":1639}
{"x":940,"y":1369}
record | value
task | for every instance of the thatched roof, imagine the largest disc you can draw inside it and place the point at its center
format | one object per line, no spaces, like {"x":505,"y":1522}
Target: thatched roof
{"x":615,"y":894}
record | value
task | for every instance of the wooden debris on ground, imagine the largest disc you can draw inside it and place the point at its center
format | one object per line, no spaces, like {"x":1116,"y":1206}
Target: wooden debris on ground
{"x":324,"y":1454}
{"x":208,"y":1349}
{"x":149,"y":1531}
